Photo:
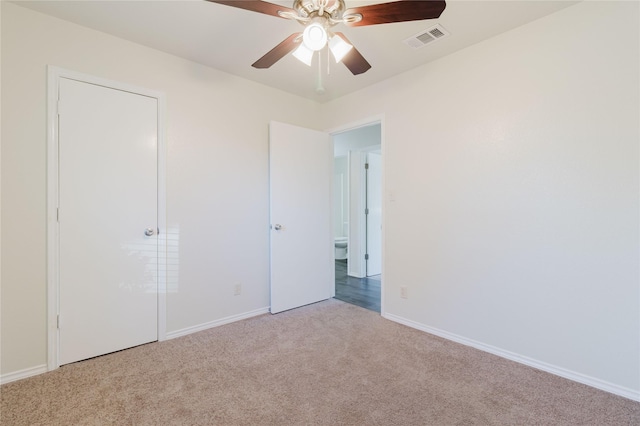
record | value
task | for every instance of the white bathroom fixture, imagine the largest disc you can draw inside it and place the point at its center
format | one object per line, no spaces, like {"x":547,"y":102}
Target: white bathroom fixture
{"x":341,"y":247}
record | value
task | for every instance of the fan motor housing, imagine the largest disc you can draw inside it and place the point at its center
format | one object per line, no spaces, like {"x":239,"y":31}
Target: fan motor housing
{"x":333,"y":9}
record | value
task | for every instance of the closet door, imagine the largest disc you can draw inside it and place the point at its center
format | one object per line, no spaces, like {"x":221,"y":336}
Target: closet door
{"x":108,"y":197}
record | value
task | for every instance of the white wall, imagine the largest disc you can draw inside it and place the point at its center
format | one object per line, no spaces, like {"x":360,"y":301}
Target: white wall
{"x":0,"y":192}
{"x":217,"y":187}
{"x":515,"y":220}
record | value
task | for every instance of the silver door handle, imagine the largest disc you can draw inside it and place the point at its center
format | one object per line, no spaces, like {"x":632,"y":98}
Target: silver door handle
{"x":277,"y":227}
{"x":149,"y":232}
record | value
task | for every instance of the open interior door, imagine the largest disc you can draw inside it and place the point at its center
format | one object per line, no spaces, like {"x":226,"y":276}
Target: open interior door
{"x":300,"y":173}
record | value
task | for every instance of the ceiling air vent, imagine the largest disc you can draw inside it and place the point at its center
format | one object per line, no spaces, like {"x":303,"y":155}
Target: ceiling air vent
{"x":427,"y":36}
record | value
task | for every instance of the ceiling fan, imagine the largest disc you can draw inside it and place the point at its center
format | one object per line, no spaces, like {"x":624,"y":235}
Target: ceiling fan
{"x":319,"y":16}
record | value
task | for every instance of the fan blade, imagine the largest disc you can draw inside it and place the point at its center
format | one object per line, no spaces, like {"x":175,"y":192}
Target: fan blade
{"x":256,"y":6}
{"x":397,"y":11}
{"x":354,"y":60}
{"x":278,"y":52}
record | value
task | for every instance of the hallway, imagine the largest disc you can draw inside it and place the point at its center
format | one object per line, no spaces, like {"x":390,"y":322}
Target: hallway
{"x":364,"y":292}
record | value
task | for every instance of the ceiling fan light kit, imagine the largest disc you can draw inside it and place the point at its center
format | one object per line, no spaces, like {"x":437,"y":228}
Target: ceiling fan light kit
{"x":319,"y":16}
{"x":314,"y":36}
{"x":339,"y":47}
{"x":304,"y":54}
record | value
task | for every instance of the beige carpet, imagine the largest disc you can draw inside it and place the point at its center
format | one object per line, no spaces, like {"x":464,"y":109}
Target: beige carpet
{"x":326,"y":364}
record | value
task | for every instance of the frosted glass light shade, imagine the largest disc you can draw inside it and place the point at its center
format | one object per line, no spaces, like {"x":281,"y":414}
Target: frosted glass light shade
{"x":304,"y":54}
{"x":339,"y":47}
{"x":314,"y":37}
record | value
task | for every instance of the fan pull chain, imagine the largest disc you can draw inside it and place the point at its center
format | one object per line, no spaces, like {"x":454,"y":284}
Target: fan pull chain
{"x":319,"y":86}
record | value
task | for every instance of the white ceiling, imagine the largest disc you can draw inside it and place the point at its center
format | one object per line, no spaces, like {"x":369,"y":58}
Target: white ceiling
{"x":231,"y":39}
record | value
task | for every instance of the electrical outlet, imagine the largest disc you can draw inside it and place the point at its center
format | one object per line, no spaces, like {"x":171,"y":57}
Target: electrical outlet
{"x":237,"y":289}
{"x":404,"y":292}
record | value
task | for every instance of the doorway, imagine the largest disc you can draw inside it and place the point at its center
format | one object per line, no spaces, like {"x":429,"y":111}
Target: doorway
{"x":358,"y":215}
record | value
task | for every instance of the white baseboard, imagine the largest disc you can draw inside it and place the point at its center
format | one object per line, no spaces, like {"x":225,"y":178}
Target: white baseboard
{"x":23,"y":374}
{"x":549,"y":368}
{"x":216,"y":323}
{"x":34,"y":371}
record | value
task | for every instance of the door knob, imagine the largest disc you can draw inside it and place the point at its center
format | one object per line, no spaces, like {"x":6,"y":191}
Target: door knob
{"x":149,"y":232}
{"x":277,"y":227}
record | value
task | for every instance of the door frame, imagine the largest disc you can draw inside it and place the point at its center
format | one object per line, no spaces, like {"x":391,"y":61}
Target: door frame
{"x":54,"y":74}
{"x":367,"y":236}
{"x":376,"y":119}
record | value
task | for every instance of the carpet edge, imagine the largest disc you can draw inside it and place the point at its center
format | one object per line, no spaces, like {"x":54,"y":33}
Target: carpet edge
{"x":593,"y":382}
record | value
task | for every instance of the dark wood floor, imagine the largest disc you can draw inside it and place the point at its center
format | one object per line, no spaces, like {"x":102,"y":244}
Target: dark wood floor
{"x":364,"y":292}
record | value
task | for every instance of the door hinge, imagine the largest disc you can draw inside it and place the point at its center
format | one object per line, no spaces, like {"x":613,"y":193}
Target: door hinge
{"x":366,"y":165}
{"x":58,"y":322}
{"x":366,"y":211}
{"x":57,"y":214}
{"x":58,"y":107}
{"x":366,"y":257}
